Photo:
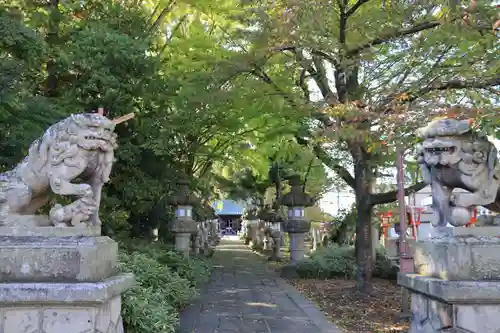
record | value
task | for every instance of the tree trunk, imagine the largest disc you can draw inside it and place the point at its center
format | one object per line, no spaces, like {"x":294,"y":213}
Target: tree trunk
{"x":364,"y":260}
{"x":364,"y":209}
{"x":52,"y":39}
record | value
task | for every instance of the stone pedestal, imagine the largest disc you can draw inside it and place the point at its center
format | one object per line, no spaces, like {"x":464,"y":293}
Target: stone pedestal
{"x":297,"y":246}
{"x":375,"y":242}
{"x":276,"y":254}
{"x":183,"y":229}
{"x":297,"y":230}
{"x":325,"y":240}
{"x":266,"y":246}
{"x":315,"y":239}
{"x":457,"y":285}
{"x":195,"y":243}
{"x":251,"y":233}
{"x":257,"y":242}
{"x":183,"y":242}
{"x":59,"y":280}
{"x":213,"y":235}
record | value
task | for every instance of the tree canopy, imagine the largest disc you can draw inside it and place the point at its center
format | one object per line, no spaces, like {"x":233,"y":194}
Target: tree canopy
{"x":367,"y":74}
{"x":239,"y":95}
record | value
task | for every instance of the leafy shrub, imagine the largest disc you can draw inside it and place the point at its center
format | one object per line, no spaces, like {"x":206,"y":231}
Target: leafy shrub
{"x":384,"y":267}
{"x":166,"y":282}
{"x":340,"y":261}
{"x":195,"y":270}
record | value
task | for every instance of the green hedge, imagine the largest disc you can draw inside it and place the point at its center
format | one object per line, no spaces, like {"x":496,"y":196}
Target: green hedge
{"x":166,"y":282}
{"x":340,"y":261}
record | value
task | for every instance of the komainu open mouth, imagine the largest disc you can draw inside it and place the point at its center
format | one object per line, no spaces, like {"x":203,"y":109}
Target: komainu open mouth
{"x":440,"y":150}
{"x":90,"y":137}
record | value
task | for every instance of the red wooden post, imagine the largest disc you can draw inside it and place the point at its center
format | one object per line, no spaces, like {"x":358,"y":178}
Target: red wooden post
{"x":473,"y":217}
{"x":415,"y":214}
{"x":385,"y":217}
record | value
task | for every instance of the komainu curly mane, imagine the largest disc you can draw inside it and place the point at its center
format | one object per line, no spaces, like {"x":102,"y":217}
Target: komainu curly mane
{"x":80,"y":146}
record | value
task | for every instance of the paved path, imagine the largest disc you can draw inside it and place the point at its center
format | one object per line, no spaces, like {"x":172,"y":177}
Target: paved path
{"x":246,"y":296}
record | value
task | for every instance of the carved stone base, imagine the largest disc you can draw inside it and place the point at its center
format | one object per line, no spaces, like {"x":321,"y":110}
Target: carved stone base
{"x":59,"y":280}
{"x":460,"y":254}
{"x":63,"y":307}
{"x":452,"y":306}
{"x":57,"y":259}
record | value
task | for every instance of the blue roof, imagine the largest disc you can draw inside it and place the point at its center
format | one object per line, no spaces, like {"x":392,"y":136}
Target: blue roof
{"x":227,"y":207}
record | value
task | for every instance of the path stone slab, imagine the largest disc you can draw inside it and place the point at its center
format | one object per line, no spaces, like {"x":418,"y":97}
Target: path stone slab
{"x":246,"y":296}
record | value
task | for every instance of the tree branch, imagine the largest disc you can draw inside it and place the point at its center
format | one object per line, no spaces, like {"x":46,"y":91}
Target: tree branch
{"x":456,"y":84}
{"x":319,"y":53}
{"x":264,"y":77}
{"x":301,"y":82}
{"x":321,"y":78}
{"x":325,"y":56}
{"x":332,"y":164}
{"x":355,"y":7}
{"x":342,"y":25}
{"x":392,"y":35}
{"x":309,"y":167}
{"x":163,"y":13}
{"x":388,"y":197}
{"x":172,"y":34}
{"x":155,"y":10}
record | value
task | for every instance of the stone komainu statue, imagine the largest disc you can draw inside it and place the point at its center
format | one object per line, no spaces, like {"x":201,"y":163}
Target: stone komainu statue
{"x":78,"y":147}
{"x":452,"y":155}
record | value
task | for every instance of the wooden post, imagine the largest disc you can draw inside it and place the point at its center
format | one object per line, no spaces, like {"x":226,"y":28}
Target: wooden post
{"x":118,"y":120}
{"x":405,"y":257}
{"x":124,"y":118}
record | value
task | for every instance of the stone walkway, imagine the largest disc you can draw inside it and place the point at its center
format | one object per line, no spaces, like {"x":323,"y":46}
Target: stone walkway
{"x":246,"y":296}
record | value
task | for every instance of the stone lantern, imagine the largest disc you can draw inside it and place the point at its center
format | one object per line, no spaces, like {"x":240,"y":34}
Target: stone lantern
{"x":297,"y":226}
{"x":275,"y":233}
{"x":250,"y":221}
{"x":184,"y":225}
{"x":207,"y":234}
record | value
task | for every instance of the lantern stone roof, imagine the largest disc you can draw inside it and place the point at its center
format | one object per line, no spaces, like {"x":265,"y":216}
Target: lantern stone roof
{"x":296,"y":197}
{"x":182,"y":196}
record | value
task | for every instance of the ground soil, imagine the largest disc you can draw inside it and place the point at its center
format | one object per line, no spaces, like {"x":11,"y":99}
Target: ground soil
{"x":379,"y":312}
